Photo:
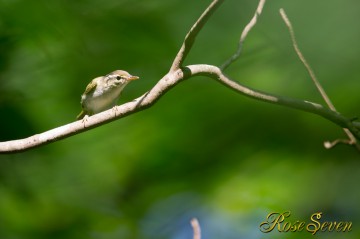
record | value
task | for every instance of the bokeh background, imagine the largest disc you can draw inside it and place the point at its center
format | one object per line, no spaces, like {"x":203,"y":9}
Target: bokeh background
{"x":203,"y":150}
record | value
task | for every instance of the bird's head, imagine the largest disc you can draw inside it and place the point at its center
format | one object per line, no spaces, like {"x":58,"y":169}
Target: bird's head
{"x":120,"y":77}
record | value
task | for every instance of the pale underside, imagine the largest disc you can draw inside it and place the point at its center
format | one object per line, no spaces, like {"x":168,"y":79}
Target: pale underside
{"x":100,"y":96}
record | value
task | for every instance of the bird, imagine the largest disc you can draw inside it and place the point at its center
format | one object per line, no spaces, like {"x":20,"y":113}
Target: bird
{"x":103,"y":92}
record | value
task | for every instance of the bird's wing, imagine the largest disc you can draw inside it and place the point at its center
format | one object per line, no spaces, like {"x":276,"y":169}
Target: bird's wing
{"x":91,"y":86}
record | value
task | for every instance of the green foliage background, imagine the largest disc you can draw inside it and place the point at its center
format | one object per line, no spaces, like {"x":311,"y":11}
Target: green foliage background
{"x":202,"y":151}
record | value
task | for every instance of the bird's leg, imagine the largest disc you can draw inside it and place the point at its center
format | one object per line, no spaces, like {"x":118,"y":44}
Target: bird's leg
{"x":84,"y":120}
{"x":115,"y":109}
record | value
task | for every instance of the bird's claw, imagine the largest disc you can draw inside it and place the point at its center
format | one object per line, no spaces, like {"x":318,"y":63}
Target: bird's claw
{"x":115,"y":109}
{"x":84,"y":120}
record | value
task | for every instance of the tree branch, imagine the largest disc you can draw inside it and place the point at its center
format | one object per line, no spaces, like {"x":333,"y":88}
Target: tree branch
{"x":196,"y":228}
{"x":191,"y":35}
{"x":164,"y":85}
{"x":304,"y":61}
{"x":244,"y":34}
{"x":352,"y":140}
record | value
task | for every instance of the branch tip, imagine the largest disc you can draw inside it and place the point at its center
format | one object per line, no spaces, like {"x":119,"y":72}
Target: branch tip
{"x":196,"y":228}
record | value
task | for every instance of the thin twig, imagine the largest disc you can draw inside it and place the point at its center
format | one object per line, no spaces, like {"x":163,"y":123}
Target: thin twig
{"x":321,"y":90}
{"x":305,"y":63}
{"x":196,"y":228}
{"x":332,"y":144}
{"x":244,"y":34}
{"x":191,"y":35}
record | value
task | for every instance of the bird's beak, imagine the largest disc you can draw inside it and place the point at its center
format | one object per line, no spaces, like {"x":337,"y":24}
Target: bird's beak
{"x":133,"y":78}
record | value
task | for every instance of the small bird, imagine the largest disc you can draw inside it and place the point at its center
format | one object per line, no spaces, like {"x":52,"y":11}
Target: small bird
{"x":103,"y":92}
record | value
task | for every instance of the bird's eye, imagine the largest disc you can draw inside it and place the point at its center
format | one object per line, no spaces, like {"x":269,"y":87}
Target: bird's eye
{"x":118,"y":77}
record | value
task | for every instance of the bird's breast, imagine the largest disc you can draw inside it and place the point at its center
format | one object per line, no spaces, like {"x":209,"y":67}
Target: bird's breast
{"x":101,"y":99}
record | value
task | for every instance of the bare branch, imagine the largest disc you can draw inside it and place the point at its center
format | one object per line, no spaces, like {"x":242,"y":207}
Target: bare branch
{"x":303,"y":60}
{"x":196,"y":228}
{"x":244,"y":34}
{"x":321,"y":90}
{"x":164,"y":85}
{"x":191,"y":35}
{"x":330,"y":145}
